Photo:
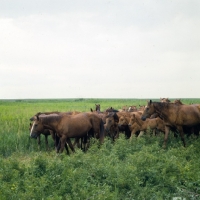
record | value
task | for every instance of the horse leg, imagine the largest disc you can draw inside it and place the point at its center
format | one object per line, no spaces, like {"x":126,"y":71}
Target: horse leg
{"x":141,"y":133}
{"x":180,"y":129}
{"x":77,"y":142}
{"x":116,"y":132}
{"x":39,"y":141}
{"x":166,"y":136}
{"x":46,"y":142}
{"x":84,"y":143}
{"x":70,"y":144}
{"x":67,"y":149}
{"x":62,"y":143}
{"x":196,"y":131}
{"x":132,"y":133}
{"x":58,"y":146}
{"x":54,"y":137}
{"x":57,"y":142}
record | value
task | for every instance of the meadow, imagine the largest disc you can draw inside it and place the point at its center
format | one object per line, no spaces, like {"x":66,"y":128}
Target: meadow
{"x":137,"y":169}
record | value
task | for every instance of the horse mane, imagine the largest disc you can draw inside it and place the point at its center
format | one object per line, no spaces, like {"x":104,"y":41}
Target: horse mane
{"x":114,"y":115}
{"x":163,"y":105}
{"x":49,"y":117}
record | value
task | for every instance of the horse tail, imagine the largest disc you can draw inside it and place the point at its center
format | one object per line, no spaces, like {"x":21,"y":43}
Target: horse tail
{"x":101,"y":134}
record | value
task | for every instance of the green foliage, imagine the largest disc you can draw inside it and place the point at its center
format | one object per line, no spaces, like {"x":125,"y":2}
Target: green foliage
{"x":136,"y":169}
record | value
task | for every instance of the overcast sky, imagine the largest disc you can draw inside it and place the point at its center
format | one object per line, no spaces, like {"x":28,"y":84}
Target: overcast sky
{"x":99,"y":49}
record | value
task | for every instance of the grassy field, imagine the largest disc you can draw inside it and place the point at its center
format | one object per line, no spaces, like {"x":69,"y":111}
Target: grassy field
{"x":137,"y":169}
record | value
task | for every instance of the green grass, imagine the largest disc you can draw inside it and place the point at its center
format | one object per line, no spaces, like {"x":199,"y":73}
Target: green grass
{"x":137,"y":169}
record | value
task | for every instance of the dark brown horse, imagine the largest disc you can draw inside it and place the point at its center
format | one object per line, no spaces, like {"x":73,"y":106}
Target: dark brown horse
{"x":111,"y":109}
{"x":111,"y":125}
{"x":174,"y":115}
{"x":69,"y":126}
{"x":97,"y":107}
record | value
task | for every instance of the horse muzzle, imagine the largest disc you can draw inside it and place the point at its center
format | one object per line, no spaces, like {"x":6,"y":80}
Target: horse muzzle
{"x":33,"y":136}
{"x":143,"y":118}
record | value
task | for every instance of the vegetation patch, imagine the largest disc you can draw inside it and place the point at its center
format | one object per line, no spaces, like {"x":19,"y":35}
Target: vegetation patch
{"x":137,"y":169}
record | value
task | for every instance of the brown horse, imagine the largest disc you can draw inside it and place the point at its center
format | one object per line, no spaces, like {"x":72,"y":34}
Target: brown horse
{"x":69,"y":126}
{"x":173,"y":115}
{"x":124,"y":118}
{"x":178,"y":101}
{"x":136,"y":124}
{"x":132,"y":109}
{"x":54,"y":136}
{"x":165,"y":100}
{"x":111,"y":125}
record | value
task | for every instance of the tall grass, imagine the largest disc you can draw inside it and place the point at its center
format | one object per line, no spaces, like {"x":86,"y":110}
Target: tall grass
{"x":137,"y":169}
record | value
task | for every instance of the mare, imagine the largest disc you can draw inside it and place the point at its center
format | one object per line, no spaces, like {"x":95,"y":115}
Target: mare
{"x":54,"y":136}
{"x":111,"y":125}
{"x":136,"y":124}
{"x":69,"y":126}
{"x":173,"y":115}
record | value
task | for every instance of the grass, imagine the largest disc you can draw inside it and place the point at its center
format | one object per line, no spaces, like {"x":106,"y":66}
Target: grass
{"x":137,"y":169}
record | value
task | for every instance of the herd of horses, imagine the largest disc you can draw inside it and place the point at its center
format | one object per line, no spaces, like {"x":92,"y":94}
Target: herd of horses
{"x":159,"y":117}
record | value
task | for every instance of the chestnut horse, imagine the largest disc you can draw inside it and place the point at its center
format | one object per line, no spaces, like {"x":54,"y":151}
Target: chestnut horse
{"x":69,"y":126}
{"x":136,"y":124}
{"x":173,"y":115}
{"x":124,"y":118}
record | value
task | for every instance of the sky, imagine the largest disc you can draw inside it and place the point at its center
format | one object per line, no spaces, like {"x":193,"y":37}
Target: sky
{"x":99,"y":49}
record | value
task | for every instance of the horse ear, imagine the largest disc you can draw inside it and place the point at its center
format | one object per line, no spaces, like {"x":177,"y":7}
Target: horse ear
{"x":37,"y":117}
{"x":150,"y":101}
{"x":91,"y":110}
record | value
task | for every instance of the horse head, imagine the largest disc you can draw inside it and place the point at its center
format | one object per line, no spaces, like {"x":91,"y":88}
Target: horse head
{"x":97,"y":107}
{"x":148,"y":111}
{"x":37,"y":126}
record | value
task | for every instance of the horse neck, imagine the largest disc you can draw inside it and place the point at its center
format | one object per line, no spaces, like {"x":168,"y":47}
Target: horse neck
{"x":165,"y":110}
{"x":139,"y":121}
{"x":50,"y":122}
